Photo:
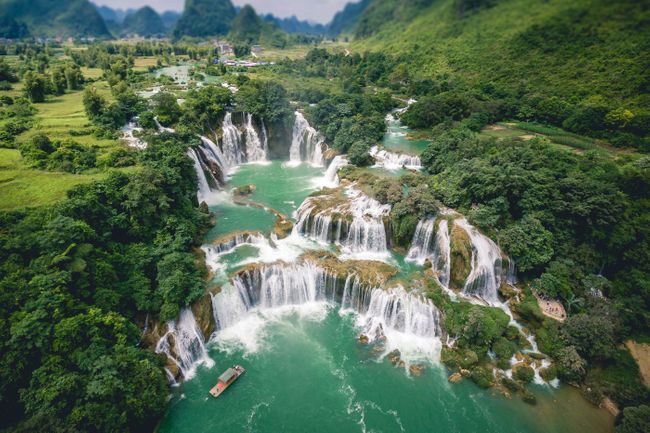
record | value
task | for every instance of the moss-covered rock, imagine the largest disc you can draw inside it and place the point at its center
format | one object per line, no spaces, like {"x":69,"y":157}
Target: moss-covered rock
{"x":448,"y":357}
{"x":461,"y":257}
{"x":528,"y":397}
{"x":549,"y":373}
{"x":467,"y":358}
{"x":524,"y":373}
{"x":282,"y":228}
{"x":482,"y":376}
{"x":202,"y":310}
{"x":244,"y":190}
{"x":511,"y":384}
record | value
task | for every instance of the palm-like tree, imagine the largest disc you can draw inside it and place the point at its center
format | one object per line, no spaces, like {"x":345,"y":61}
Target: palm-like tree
{"x":573,"y":302}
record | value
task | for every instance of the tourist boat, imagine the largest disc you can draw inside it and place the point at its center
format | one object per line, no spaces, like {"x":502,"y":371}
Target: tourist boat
{"x":226,"y":379}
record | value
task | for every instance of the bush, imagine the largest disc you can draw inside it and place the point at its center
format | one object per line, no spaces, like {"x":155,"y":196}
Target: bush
{"x":570,"y":366}
{"x":635,"y":420}
{"x":548,"y":373}
{"x":482,"y":376}
{"x":359,"y":155}
{"x":504,"y":349}
{"x":69,"y":156}
{"x":525,"y":373}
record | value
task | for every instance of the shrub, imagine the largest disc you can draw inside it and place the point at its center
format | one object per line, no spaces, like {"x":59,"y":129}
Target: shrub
{"x":570,"y":366}
{"x":482,"y":377}
{"x":525,"y":373}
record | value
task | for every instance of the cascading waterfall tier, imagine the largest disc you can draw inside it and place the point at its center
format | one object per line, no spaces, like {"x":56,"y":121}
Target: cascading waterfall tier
{"x":486,"y":272}
{"x":404,"y":317}
{"x":256,"y":148}
{"x":432,"y":242}
{"x":270,"y":287}
{"x":331,"y":178}
{"x":232,"y":142}
{"x":211,"y":168}
{"x":128,"y":135}
{"x":395,"y":161}
{"x":397,"y":311}
{"x":184,"y":345}
{"x":226,"y":245}
{"x":307,"y":144}
{"x":353,"y":219}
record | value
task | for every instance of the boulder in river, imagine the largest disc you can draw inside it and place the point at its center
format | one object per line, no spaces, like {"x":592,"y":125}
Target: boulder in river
{"x":394,"y":357}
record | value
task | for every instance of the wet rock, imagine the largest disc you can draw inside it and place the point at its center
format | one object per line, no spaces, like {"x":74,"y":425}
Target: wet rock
{"x":244,"y":190}
{"x":465,"y":373}
{"x":416,"y":369}
{"x":394,"y":357}
{"x":528,"y":397}
{"x":173,"y":369}
{"x":455,"y":378}
{"x":202,"y":310}
{"x":402,"y":364}
{"x":363,"y":339}
{"x":282,"y":228}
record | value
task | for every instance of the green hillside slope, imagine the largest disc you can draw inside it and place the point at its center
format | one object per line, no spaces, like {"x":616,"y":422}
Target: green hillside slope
{"x":589,"y":53}
{"x":56,"y":18}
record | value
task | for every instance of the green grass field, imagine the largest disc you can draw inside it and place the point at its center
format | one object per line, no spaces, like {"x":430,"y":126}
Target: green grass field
{"x":556,"y":136}
{"x":60,"y":115}
{"x":22,"y":187}
{"x":60,"y":118}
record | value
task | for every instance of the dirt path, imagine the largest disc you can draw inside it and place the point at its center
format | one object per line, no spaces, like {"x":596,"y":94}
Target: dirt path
{"x":641,"y":354}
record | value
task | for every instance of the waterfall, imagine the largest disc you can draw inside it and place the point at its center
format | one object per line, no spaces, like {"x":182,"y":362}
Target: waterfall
{"x":132,"y":140}
{"x":215,"y":154}
{"x":163,"y":128}
{"x":265,"y":139}
{"x":486,"y":273}
{"x":227,"y":245}
{"x":395,"y":161}
{"x":398,"y":310}
{"x":331,"y":179}
{"x":315,"y":226}
{"x":409,"y":321}
{"x":425,"y":246}
{"x":255,"y":148}
{"x":232,"y":142}
{"x":271,"y":287}
{"x":355,"y":296}
{"x":307,"y":144}
{"x":204,"y":187}
{"x":367,"y":232}
{"x":184,"y":345}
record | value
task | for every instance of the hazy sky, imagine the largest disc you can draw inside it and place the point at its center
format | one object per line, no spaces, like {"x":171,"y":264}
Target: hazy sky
{"x":314,"y":10}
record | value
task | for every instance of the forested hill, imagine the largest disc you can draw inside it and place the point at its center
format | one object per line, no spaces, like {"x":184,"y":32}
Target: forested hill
{"x":144,"y":22}
{"x":205,"y":18}
{"x":55,"y":17}
{"x":589,"y":53}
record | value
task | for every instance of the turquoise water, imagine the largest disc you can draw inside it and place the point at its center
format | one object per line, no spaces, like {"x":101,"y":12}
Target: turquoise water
{"x":307,"y":372}
{"x":396,"y":138}
{"x":279,"y":186}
